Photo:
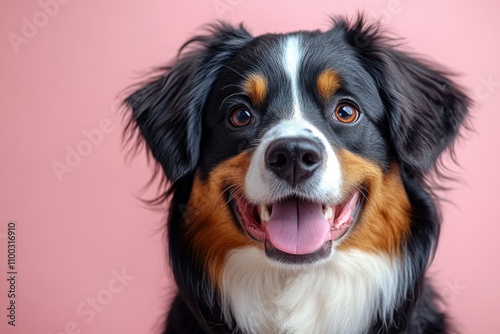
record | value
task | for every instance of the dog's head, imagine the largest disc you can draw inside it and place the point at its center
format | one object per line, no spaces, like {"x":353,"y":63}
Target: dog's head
{"x":296,"y":143}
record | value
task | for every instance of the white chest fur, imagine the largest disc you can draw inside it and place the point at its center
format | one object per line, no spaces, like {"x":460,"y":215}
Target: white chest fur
{"x":341,"y":296}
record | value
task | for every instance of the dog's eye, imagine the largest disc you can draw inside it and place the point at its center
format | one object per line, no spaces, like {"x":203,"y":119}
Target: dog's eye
{"x":241,"y":117}
{"x":346,"y":112}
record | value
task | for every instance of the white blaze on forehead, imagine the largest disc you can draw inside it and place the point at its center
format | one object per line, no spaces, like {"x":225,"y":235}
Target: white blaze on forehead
{"x":291,"y":60}
{"x":262,"y":186}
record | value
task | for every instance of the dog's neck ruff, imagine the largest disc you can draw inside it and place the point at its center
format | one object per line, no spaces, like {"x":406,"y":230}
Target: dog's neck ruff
{"x":342,"y":296}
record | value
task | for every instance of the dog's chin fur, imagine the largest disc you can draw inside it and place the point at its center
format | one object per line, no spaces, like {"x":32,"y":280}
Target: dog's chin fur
{"x":341,"y":295}
{"x":255,"y":133}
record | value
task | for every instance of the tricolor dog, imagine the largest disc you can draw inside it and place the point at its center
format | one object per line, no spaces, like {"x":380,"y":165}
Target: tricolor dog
{"x":297,"y":166}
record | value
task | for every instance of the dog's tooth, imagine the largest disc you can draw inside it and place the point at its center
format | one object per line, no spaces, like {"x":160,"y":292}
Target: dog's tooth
{"x":264,"y":214}
{"x":327,"y":210}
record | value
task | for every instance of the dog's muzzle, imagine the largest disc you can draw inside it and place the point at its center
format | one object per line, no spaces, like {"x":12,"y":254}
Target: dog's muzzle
{"x":293,"y":159}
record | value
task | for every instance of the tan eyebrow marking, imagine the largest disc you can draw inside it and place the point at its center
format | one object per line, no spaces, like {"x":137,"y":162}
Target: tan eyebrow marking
{"x":256,"y":88}
{"x":328,"y":83}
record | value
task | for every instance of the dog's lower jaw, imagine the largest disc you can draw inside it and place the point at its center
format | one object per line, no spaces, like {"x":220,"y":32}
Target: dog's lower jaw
{"x":342,"y":295}
{"x":295,"y":231}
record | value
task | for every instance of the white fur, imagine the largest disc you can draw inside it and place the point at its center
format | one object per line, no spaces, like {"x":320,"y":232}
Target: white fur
{"x":263,"y":187}
{"x":341,"y":296}
{"x":291,"y":61}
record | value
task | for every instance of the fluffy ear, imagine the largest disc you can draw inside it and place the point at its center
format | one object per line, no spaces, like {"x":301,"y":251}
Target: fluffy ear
{"x":424,"y":107}
{"x":167,"y":111}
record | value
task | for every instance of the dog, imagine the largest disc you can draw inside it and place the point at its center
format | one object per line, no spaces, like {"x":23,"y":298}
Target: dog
{"x":298,"y":178}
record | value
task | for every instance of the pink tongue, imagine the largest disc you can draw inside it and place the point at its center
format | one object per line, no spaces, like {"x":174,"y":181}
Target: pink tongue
{"x":297,"y":227}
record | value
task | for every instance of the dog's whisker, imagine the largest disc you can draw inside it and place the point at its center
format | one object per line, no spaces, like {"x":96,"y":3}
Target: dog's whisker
{"x":222,"y":193}
{"x":230,"y":178}
{"x":254,"y":143}
{"x":233,"y":195}
{"x":227,"y":97}
{"x":362,"y":190}
{"x":230,"y":85}
{"x":232,"y":69}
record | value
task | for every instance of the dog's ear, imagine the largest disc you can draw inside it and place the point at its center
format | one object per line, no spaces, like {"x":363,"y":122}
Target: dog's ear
{"x":167,"y":111}
{"x":424,"y":108}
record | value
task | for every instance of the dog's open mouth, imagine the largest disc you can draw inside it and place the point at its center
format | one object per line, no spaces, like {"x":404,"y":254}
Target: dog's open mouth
{"x":295,"y":230}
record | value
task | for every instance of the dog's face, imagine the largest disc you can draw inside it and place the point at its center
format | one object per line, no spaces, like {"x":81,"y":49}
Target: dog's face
{"x":293,"y":106}
{"x":295,"y":144}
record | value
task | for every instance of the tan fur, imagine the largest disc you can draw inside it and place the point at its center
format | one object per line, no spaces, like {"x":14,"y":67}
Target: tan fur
{"x":256,"y":89}
{"x":328,"y":83}
{"x":212,"y":232}
{"x":384,"y":222}
{"x":209,"y":222}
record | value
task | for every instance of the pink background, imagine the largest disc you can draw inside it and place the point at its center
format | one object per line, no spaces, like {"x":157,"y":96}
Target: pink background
{"x":75,"y":231}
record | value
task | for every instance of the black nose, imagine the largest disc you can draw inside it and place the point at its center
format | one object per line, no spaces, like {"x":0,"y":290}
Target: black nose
{"x":294,"y":159}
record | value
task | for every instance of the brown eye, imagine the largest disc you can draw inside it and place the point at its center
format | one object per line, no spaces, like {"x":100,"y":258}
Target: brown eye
{"x":241,"y":117}
{"x":346,"y":112}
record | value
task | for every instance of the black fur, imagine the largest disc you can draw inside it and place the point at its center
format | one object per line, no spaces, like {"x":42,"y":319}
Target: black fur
{"x":167,"y":110}
{"x":415,"y":113}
